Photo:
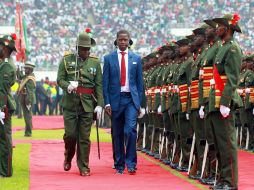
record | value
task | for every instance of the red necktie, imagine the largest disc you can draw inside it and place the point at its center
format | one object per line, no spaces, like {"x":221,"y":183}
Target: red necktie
{"x":123,"y":69}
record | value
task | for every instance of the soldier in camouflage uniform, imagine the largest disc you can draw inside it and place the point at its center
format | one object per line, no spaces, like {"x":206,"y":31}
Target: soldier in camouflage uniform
{"x":7,"y":103}
{"x":80,"y":76}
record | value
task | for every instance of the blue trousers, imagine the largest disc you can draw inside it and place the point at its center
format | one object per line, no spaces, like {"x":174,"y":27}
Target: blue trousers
{"x":124,"y":125}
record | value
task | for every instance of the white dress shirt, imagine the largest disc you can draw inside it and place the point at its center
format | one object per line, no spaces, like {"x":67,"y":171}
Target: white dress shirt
{"x":125,"y":88}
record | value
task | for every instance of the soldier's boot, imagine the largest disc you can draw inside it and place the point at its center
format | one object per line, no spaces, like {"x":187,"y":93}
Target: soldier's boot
{"x":140,"y":136}
{"x":174,"y":163}
{"x":148,"y":138}
{"x":193,"y":174}
{"x":156,"y":142}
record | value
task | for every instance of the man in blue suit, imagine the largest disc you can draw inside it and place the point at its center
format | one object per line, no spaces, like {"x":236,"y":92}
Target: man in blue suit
{"x":122,"y":91}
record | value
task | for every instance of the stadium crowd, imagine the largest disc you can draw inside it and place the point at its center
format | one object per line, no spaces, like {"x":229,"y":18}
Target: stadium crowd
{"x":53,"y":25}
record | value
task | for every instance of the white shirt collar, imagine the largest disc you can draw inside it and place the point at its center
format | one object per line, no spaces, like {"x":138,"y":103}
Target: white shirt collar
{"x":6,"y":60}
{"x":119,"y":51}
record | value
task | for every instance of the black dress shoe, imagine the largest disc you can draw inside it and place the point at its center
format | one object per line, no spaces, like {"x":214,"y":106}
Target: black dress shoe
{"x":67,"y":166}
{"x":195,"y":177}
{"x":132,"y":171}
{"x":207,"y":181}
{"x":143,"y":150}
{"x":156,"y":156}
{"x":120,"y":172}
{"x":182,"y":169}
{"x":166,"y":162}
{"x":224,"y":187}
{"x":173,"y":166}
{"x":86,"y":173}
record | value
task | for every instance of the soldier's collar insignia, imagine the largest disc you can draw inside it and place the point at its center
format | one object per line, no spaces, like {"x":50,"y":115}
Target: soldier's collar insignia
{"x":6,"y":60}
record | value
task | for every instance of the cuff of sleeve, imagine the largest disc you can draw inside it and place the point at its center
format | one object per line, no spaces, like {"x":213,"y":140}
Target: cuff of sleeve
{"x":107,"y":105}
{"x":225,"y":101}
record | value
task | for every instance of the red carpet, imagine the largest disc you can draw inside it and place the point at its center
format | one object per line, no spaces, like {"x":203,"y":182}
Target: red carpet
{"x":48,"y":122}
{"x":246,"y":170}
{"x":46,"y":172}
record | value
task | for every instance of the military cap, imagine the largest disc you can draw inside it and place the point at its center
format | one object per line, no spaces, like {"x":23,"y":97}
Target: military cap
{"x":183,"y":42}
{"x":190,"y":37}
{"x":9,"y":41}
{"x":229,"y":20}
{"x":201,"y":30}
{"x":210,"y":22}
{"x":152,"y":55}
{"x":84,"y":40}
{"x":29,"y":65}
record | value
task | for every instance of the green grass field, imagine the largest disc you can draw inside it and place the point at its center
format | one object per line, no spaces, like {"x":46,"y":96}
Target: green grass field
{"x":17,"y":122}
{"x":58,"y":135}
{"x":20,"y":178}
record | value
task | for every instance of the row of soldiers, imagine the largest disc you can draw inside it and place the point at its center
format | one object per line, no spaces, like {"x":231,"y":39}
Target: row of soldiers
{"x":192,"y":97}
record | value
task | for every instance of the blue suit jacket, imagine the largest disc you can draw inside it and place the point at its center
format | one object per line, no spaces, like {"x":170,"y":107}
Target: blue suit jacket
{"x":111,"y":79}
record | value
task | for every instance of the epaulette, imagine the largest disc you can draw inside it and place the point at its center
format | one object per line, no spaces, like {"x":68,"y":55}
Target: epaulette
{"x":66,"y":53}
{"x":93,"y":56}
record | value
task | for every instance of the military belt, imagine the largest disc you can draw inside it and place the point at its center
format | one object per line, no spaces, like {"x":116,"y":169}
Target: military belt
{"x":81,"y":90}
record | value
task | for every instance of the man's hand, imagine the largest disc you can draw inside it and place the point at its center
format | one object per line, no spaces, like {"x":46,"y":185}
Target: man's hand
{"x":187,"y":116}
{"x":224,"y":111}
{"x":108,"y":110}
{"x":98,"y":111}
{"x":159,"y":110}
{"x":141,"y":112}
{"x":201,"y":112}
{"x":71,"y":88}
{"x":2,"y":117}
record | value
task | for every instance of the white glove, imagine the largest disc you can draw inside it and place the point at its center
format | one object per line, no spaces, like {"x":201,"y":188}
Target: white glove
{"x":239,"y":91}
{"x":142,"y":113}
{"x":247,"y":90}
{"x":147,"y":110}
{"x":187,"y":116}
{"x":201,"y":112}
{"x":28,"y":106}
{"x":71,"y":88}
{"x":98,"y":111}
{"x":224,"y":111}
{"x":2,"y":117}
{"x":159,"y":110}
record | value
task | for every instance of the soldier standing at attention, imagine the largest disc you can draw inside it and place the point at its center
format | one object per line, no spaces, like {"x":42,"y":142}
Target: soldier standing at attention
{"x":224,"y":99}
{"x":7,"y":103}
{"x":183,"y":81}
{"x":80,"y":77}
{"x":26,"y":93}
